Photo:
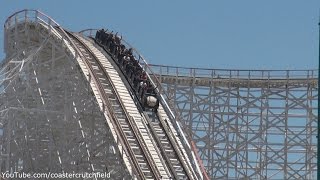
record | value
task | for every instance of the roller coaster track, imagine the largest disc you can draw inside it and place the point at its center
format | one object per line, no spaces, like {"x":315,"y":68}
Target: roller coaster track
{"x":123,"y":122}
{"x":159,"y":129}
{"x":165,"y":123}
{"x":169,"y":147}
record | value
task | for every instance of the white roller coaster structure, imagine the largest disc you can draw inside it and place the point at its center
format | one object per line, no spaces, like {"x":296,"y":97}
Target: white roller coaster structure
{"x":65,"y":106}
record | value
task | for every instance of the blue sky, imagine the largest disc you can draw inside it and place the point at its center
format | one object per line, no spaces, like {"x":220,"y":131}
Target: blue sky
{"x":246,"y":34}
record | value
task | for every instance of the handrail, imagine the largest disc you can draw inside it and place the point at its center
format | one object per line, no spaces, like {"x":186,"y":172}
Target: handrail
{"x":223,"y":69}
{"x":37,"y":15}
{"x":175,"y":121}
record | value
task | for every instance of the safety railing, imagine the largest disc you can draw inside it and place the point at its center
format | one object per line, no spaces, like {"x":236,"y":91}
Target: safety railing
{"x":23,"y":16}
{"x":36,"y":16}
{"x":161,"y":92}
{"x":30,"y":15}
{"x":232,"y":73}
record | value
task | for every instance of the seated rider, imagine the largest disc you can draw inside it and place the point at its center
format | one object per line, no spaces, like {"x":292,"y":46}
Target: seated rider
{"x":150,"y":89}
{"x":136,"y":79}
{"x":98,"y":34}
{"x":142,"y":81}
{"x":144,"y":77}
